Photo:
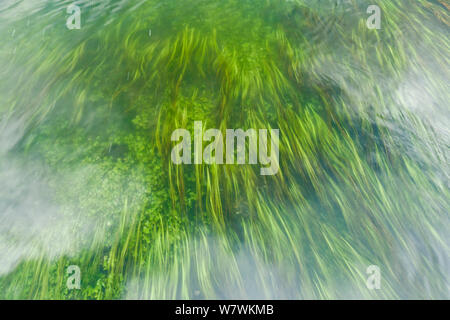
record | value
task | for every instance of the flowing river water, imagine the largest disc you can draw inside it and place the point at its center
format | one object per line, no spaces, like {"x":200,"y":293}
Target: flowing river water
{"x":91,"y":91}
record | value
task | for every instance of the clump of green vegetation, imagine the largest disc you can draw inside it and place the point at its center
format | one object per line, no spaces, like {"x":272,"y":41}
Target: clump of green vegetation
{"x":362,"y":178}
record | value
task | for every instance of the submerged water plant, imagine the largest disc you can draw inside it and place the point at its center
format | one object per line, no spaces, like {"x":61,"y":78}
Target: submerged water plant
{"x":87,"y":179}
